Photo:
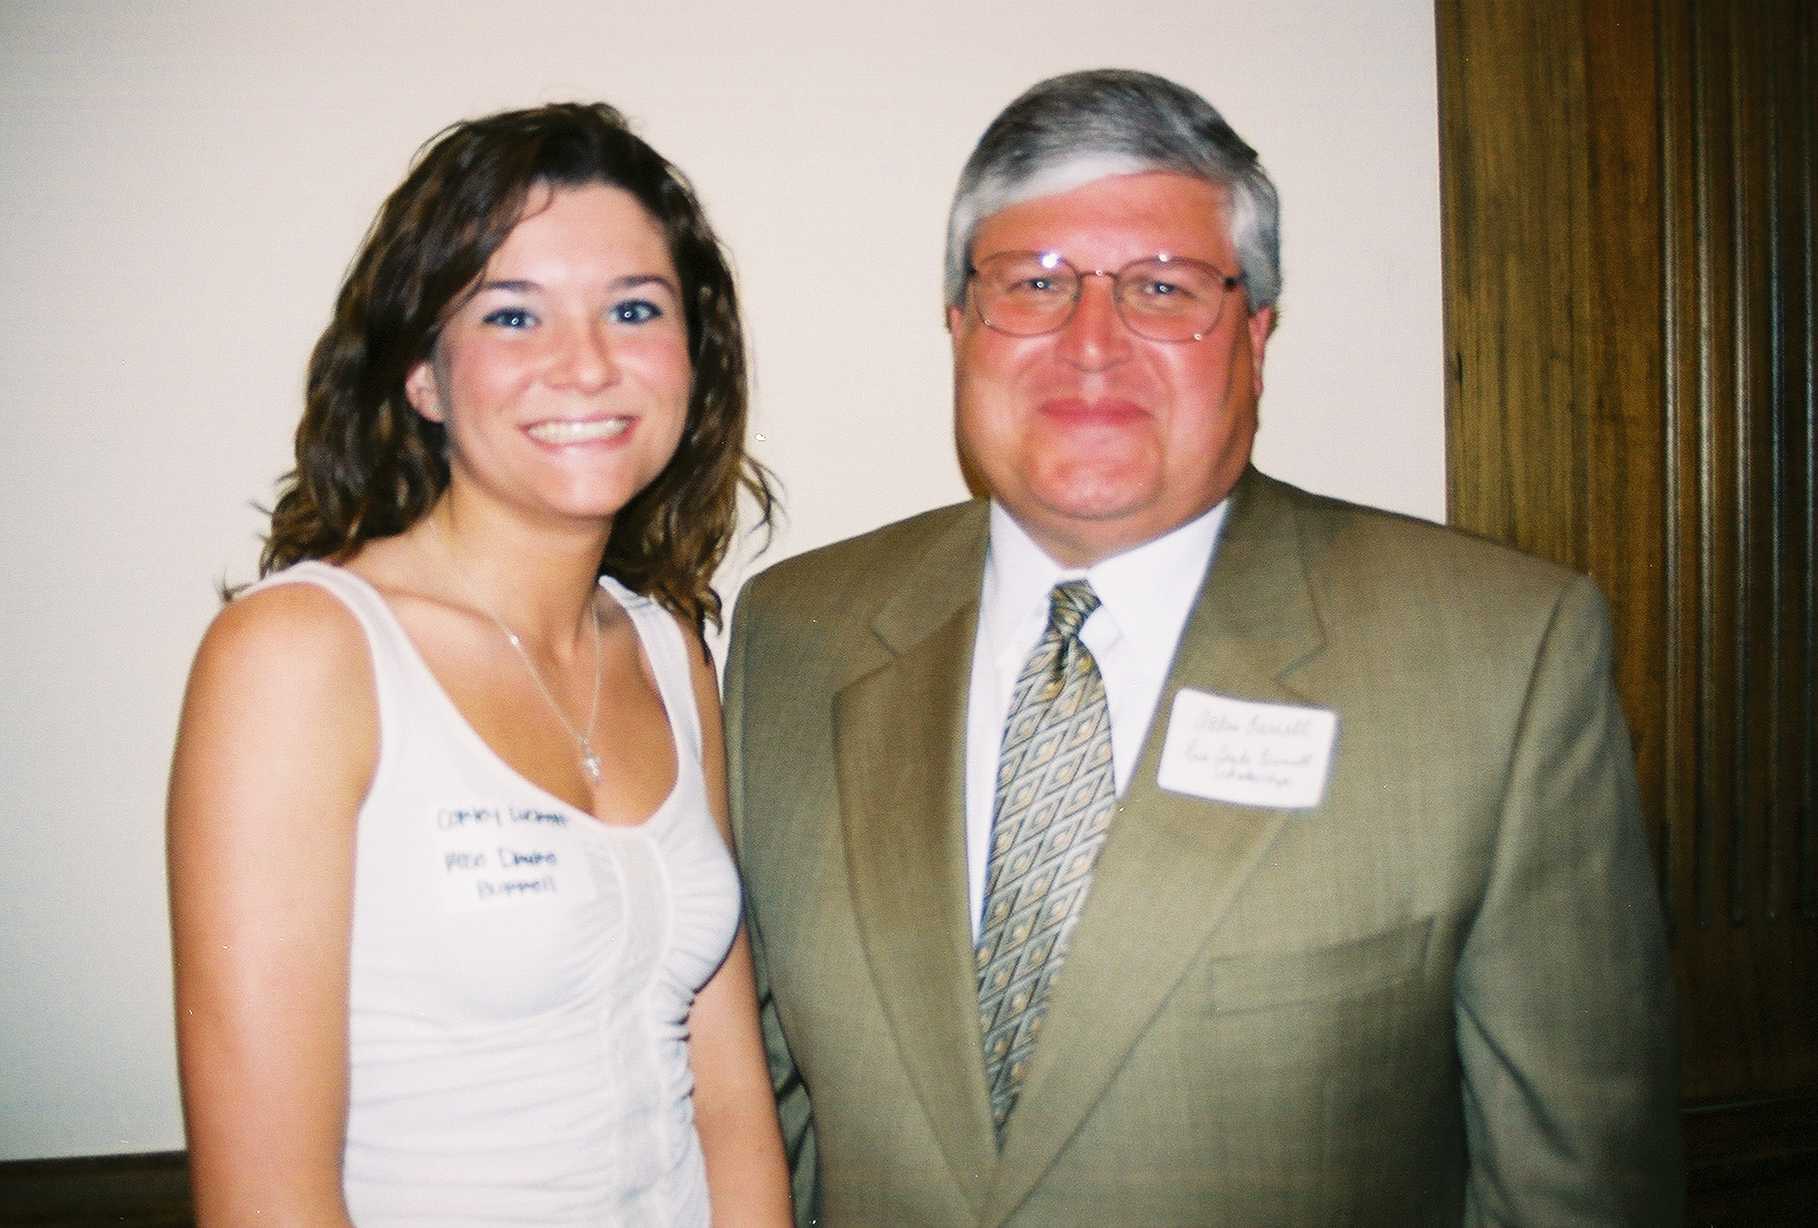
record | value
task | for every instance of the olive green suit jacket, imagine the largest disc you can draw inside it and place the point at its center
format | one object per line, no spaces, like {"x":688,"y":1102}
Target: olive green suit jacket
{"x":1440,"y":996}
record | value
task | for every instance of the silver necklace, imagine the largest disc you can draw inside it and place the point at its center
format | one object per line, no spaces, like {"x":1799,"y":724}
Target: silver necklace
{"x":583,"y":739}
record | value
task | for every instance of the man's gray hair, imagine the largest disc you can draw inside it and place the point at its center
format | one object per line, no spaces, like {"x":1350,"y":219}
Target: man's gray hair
{"x":1070,"y":130}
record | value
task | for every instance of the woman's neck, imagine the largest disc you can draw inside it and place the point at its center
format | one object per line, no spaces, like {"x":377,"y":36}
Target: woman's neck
{"x":539,"y":580}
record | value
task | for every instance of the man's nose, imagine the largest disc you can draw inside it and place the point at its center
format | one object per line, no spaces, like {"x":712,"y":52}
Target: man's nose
{"x":1095,"y":335}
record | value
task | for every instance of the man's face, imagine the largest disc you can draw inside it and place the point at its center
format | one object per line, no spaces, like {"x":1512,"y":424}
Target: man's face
{"x":1094,"y":438}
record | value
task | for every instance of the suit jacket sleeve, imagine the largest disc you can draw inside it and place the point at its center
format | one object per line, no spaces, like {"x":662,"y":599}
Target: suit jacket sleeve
{"x":1562,"y":996}
{"x":793,"y":1108}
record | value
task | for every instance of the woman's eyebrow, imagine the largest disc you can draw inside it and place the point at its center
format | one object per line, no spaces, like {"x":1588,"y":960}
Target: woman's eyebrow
{"x":633,"y":280}
{"x":516,"y":285}
{"x":525,"y":285}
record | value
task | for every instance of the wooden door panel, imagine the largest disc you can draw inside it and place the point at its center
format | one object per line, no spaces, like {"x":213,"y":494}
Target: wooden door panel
{"x":1630,"y":204}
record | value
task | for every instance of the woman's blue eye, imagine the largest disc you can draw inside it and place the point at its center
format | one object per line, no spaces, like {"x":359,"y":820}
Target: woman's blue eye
{"x":636,"y":311}
{"x":510,"y":317}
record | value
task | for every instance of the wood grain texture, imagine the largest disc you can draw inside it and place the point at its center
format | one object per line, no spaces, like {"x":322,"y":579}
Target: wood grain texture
{"x":1738,"y":99}
{"x":1629,"y":207}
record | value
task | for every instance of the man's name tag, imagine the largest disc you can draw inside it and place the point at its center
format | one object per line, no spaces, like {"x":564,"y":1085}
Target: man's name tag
{"x":496,"y":856}
{"x":1232,"y":750}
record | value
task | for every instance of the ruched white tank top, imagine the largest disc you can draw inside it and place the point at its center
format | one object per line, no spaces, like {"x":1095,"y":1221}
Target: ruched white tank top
{"x":521,"y":972}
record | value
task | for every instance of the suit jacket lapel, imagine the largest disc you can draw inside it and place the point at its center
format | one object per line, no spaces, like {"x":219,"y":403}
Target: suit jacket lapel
{"x":900,"y":739}
{"x":1172,"y":864}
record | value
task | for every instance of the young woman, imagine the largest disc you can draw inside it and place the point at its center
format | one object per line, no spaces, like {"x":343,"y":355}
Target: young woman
{"x":456,"y":928}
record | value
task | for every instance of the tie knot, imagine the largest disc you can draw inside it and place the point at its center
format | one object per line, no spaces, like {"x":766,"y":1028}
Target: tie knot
{"x":1070,"y":605}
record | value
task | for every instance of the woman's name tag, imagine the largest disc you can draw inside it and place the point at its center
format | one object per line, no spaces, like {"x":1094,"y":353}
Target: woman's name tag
{"x":497,"y":856}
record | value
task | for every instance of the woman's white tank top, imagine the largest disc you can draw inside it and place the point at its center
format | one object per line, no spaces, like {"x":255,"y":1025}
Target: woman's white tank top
{"x":521,"y":972}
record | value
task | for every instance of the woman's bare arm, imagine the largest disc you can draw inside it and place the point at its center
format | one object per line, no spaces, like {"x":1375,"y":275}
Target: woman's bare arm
{"x":734,"y":1107}
{"x":276,"y":749}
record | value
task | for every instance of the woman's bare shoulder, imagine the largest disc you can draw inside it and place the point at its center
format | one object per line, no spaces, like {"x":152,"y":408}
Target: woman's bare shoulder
{"x":281,"y":711}
{"x":297,"y":639}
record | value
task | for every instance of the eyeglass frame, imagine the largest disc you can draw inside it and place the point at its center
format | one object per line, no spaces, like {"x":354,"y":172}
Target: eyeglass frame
{"x":1227,"y":283}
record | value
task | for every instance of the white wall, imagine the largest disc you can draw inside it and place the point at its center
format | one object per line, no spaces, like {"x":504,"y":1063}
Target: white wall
{"x":182,"y":184}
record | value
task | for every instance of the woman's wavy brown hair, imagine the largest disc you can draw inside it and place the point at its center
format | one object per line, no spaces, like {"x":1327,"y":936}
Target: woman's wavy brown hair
{"x":368,"y":465}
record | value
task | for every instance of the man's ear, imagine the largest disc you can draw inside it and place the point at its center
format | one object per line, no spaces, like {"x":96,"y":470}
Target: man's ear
{"x":421,"y":389}
{"x":956,"y":321}
{"x":1261,"y":323}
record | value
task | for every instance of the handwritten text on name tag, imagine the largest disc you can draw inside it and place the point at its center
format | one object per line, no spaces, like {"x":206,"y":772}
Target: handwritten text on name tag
{"x":1253,"y":754}
{"x":491,"y":855}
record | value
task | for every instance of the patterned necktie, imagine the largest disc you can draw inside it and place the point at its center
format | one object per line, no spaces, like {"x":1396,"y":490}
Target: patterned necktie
{"x":1055,"y":797}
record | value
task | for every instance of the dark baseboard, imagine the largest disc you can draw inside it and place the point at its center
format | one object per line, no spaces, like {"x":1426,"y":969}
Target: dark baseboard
{"x":1752,"y":1163}
{"x":150,"y":1190}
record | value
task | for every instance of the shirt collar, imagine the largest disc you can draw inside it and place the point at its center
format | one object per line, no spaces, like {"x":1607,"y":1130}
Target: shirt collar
{"x":1146,"y":590}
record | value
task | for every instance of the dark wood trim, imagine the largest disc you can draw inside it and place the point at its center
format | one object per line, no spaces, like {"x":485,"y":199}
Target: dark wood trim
{"x":1629,"y":199}
{"x":1752,"y":1163}
{"x":149,"y":1190}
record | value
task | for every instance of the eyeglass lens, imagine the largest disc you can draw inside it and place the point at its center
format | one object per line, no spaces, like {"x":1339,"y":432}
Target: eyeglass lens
{"x":1029,"y":293}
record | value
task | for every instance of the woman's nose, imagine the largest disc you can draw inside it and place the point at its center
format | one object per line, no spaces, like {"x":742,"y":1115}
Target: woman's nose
{"x":586,"y":359}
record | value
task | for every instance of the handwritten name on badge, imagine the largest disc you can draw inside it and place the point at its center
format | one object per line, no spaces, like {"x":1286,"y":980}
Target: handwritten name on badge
{"x":1253,"y":754}
{"x":488,"y":856}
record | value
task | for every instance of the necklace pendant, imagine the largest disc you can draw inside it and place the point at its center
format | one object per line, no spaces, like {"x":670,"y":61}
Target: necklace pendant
{"x":590,"y":764}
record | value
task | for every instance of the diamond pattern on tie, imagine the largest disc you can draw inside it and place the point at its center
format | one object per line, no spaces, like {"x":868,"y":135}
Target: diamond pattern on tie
{"x":1055,"y":797}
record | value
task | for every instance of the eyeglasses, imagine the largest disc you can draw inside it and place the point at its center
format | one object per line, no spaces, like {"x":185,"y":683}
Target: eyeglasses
{"x":1163,"y":298}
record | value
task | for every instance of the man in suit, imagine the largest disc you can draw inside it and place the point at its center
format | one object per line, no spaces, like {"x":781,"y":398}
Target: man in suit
{"x":1156,"y":843}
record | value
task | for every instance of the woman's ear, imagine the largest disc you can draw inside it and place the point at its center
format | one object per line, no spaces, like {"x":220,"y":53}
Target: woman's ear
{"x":421,"y":389}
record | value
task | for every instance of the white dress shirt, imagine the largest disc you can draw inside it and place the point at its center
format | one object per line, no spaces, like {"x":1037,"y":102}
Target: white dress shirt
{"x":1145,"y":595}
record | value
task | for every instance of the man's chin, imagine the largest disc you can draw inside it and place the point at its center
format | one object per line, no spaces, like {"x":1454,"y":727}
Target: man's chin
{"x":1096,"y":491}
{"x":1079,"y":532}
